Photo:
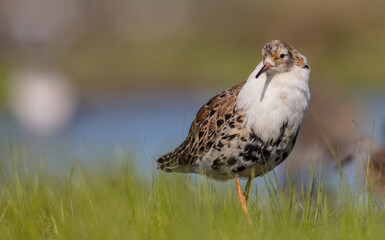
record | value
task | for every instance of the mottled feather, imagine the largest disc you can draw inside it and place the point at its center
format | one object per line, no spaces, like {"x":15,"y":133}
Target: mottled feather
{"x":206,"y":128}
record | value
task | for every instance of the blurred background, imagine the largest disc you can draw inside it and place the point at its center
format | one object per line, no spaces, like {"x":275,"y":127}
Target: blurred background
{"x":106,"y":78}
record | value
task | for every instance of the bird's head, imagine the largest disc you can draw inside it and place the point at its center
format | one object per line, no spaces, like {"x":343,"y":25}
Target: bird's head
{"x":280,"y":57}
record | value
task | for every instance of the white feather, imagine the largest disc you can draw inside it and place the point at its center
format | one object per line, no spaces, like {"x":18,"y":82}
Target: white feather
{"x":269,"y":102}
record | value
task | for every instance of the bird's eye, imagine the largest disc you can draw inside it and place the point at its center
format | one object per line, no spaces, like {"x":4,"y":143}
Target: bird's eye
{"x":282,"y":55}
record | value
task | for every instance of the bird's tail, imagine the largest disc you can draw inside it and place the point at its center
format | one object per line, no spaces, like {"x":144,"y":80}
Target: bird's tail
{"x":173,"y":162}
{"x":167,"y":162}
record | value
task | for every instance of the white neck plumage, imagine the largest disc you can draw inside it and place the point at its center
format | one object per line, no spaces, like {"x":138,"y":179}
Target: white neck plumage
{"x":269,"y":101}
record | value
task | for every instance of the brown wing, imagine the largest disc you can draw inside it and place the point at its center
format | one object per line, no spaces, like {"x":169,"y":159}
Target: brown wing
{"x":205,"y":128}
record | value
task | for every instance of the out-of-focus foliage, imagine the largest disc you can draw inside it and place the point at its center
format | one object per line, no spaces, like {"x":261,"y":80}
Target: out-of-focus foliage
{"x":106,"y":45}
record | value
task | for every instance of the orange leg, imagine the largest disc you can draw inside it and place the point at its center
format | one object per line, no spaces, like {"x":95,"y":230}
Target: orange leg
{"x":241,"y":198}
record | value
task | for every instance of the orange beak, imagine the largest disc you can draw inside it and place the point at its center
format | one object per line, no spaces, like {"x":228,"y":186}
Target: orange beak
{"x":265,"y":67}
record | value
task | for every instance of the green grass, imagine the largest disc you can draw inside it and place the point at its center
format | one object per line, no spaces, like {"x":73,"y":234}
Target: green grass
{"x":118,"y":202}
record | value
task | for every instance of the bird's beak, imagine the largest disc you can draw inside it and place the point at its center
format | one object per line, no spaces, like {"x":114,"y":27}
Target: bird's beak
{"x":265,"y":67}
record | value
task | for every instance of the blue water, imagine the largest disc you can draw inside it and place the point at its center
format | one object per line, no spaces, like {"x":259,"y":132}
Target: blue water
{"x":147,"y":123}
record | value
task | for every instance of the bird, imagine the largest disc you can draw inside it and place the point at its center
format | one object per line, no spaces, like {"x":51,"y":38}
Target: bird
{"x":376,"y":173}
{"x":249,"y":129}
{"x":365,"y":160}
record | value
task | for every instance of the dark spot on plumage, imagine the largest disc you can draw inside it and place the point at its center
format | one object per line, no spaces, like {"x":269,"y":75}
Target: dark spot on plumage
{"x":239,"y":119}
{"x":280,"y":151}
{"x":232,"y":126}
{"x":201,"y":149}
{"x":295,"y":138}
{"x":201,"y":134}
{"x":258,"y":139}
{"x":266,"y":153}
{"x":284,"y":126}
{"x":243,"y":139}
{"x":282,"y":131}
{"x":233,"y":136}
{"x":227,"y":116}
{"x":251,"y":152}
{"x":290,"y":54}
{"x":205,"y":122}
{"x":231,"y":161}
{"x":212,"y":112}
{"x":278,"y":141}
{"x":252,"y":135}
{"x":220,"y":144}
{"x":215,"y":167}
{"x":217,"y":163}
{"x":209,"y":145}
{"x":161,"y":160}
{"x":248,"y":147}
{"x":284,"y":155}
{"x":306,"y":66}
{"x":268,"y":49}
{"x":241,"y":168}
{"x":222,"y":95}
{"x":278,"y":159}
{"x":220,"y":122}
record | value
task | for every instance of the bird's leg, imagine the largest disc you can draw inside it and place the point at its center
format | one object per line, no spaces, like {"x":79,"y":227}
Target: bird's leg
{"x":247,"y":189}
{"x":241,"y":198}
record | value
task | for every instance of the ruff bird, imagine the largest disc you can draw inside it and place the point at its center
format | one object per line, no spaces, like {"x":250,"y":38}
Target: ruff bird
{"x":249,"y":129}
